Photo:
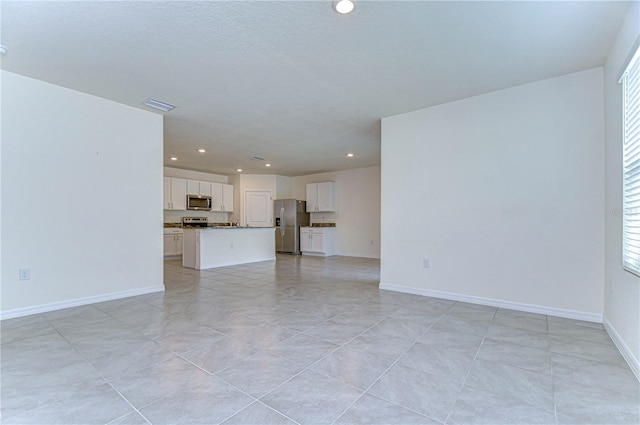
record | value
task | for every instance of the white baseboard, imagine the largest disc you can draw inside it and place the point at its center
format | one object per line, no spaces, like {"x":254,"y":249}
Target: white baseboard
{"x":43,"y":308}
{"x":531,"y":308}
{"x":633,"y":363}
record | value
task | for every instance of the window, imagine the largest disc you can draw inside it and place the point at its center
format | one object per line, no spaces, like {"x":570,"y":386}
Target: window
{"x":631,"y":166}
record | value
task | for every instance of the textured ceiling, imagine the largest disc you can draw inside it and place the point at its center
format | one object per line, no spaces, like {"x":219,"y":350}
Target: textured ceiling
{"x":292,"y":81}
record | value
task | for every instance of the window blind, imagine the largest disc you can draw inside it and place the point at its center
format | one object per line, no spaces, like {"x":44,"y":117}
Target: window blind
{"x":631,"y":167}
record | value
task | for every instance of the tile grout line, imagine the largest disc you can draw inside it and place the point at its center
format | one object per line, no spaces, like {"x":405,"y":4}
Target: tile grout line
{"x":484,"y":338}
{"x":308,"y":368}
{"x":553,"y":388}
{"x":254,"y":399}
{"x":85,"y":360}
{"x":470,"y":367}
{"x":383,"y":317}
{"x":466,"y":377}
{"x":312,"y":364}
{"x":251,"y":404}
{"x":129,"y":403}
{"x":381,"y":375}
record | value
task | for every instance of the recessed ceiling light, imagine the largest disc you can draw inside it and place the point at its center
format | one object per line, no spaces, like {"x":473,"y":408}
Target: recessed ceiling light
{"x":267,"y":165}
{"x":173,"y":158}
{"x":153,"y":103}
{"x":201,"y":150}
{"x":344,"y":6}
{"x":3,"y":50}
{"x":350,"y":155}
{"x":239,"y":170}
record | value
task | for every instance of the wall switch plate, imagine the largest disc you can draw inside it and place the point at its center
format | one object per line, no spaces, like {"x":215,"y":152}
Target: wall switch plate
{"x":25,"y":274}
{"x":426,"y":263}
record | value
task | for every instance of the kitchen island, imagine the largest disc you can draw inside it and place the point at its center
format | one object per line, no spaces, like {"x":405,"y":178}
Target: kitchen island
{"x":209,"y":247}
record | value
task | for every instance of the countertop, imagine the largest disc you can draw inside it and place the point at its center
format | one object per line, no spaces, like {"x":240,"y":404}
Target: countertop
{"x":215,"y":225}
{"x":223,"y":226}
{"x":210,"y":227}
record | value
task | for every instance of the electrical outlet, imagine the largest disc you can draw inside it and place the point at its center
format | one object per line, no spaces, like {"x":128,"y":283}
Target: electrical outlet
{"x":371,"y":241}
{"x":231,"y":246}
{"x":25,"y":274}
{"x":426,"y":263}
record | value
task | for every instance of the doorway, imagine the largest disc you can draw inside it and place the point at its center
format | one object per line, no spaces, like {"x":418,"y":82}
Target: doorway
{"x":258,"y":208}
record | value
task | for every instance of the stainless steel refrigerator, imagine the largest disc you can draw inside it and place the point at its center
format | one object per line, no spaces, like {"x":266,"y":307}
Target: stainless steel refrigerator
{"x":290,"y":214}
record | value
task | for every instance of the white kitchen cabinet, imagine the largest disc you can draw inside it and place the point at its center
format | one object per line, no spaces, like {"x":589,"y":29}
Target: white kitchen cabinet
{"x":195,"y":187}
{"x":205,"y":189}
{"x":221,"y":197}
{"x":179,"y":244}
{"x":321,"y":197}
{"x":216,"y":197}
{"x":317,"y":240}
{"x":172,"y":242}
{"x":305,"y":239}
{"x":227,"y":196}
{"x":175,"y":194}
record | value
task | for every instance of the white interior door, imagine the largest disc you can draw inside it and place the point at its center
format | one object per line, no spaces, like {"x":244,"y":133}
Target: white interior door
{"x":258,"y":208}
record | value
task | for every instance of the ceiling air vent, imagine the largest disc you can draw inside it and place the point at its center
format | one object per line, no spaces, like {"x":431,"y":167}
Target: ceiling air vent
{"x":257,"y":158}
{"x":153,"y":103}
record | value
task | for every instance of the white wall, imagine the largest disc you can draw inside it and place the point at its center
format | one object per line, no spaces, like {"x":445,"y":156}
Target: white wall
{"x":622,"y":289}
{"x":283,"y":188}
{"x":504,"y":193}
{"x":357,"y":215}
{"x":235,"y":181}
{"x":72,"y":167}
{"x":176,"y":216}
{"x":195,"y":175}
{"x":1,"y":74}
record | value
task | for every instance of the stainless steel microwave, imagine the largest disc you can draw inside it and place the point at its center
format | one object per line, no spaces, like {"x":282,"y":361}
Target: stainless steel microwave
{"x":199,"y":202}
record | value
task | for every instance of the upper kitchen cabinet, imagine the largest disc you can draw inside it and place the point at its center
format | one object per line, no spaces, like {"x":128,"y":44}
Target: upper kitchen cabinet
{"x":321,"y":197}
{"x":195,"y":187}
{"x":221,"y":197}
{"x":205,"y":188}
{"x":175,"y":194}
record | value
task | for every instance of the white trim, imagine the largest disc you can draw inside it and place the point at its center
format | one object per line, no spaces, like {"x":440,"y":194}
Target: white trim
{"x":622,"y":347}
{"x":19,"y":312}
{"x":531,"y":308}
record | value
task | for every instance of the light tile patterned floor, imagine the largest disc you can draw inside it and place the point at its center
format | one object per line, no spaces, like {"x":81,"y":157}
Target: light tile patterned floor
{"x":308,"y":341}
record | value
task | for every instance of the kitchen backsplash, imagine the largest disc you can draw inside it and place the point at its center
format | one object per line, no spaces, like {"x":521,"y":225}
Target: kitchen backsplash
{"x":324,"y":217}
{"x":176,"y":216}
{"x":214,"y":217}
